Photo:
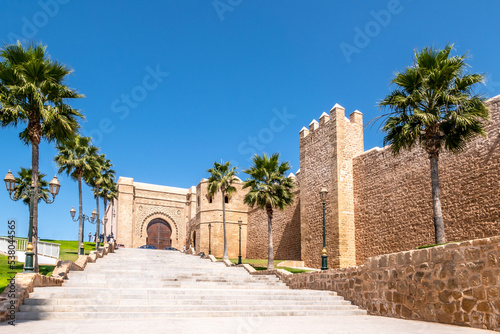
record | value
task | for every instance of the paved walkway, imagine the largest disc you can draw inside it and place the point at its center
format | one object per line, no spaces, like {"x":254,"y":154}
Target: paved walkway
{"x":257,"y":325}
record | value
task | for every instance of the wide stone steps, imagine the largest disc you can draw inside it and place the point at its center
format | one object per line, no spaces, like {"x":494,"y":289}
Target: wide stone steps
{"x":187,"y":314}
{"x":185,"y":300}
{"x":178,"y":308}
{"x":145,"y":284}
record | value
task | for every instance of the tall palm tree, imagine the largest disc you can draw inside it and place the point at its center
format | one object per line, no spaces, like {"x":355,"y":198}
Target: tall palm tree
{"x":96,"y":178}
{"x":23,"y":183}
{"x":222,"y":176}
{"x":269,"y":189}
{"x":433,"y":105}
{"x":33,"y":93}
{"x":108,"y":192}
{"x":77,"y":157}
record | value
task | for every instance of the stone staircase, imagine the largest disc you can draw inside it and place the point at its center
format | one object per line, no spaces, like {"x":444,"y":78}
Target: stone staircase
{"x":138,"y":284}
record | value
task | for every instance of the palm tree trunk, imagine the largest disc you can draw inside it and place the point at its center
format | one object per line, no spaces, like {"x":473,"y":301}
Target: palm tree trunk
{"x":104,"y":215}
{"x":35,"y":154}
{"x":436,"y":202}
{"x":97,"y":243}
{"x":80,"y":213}
{"x":270,"y":253}
{"x":225,"y":257}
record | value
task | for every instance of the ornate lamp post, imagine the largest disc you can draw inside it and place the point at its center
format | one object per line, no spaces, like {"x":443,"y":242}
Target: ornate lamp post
{"x":10,"y":184}
{"x":323,"y":192}
{"x":239,"y":254}
{"x":83,"y":217}
{"x":209,"y":238}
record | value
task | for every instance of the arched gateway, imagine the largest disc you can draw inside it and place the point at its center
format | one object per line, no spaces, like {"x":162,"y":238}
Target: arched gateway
{"x":159,"y":234}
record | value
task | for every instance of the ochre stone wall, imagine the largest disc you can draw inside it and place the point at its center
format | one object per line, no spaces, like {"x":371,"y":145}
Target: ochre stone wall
{"x":455,"y":284}
{"x":286,"y":232}
{"x":326,"y":152}
{"x":210,"y":211}
{"x":393,"y":200}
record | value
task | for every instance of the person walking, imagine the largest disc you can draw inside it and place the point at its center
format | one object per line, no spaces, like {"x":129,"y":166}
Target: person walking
{"x":90,"y":236}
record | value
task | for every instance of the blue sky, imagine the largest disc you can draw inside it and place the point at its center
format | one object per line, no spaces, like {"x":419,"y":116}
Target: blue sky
{"x":172,"y":86}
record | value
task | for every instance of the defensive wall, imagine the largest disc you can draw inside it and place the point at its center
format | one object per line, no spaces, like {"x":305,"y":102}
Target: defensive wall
{"x":377,"y":203}
{"x":393,"y":199}
{"x":286,"y":231}
{"x":208,"y":210}
{"x":457,"y":283}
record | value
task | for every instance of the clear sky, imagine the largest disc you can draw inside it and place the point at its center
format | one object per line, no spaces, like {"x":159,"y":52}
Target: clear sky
{"x":172,"y":86}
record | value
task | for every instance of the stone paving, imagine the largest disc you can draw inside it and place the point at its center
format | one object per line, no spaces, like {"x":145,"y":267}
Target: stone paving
{"x":275,"y":325}
{"x":158,"y":284}
{"x":145,"y":291}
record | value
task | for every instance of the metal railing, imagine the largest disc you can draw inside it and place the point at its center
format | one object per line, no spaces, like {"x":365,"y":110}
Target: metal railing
{"x":48,"y":249}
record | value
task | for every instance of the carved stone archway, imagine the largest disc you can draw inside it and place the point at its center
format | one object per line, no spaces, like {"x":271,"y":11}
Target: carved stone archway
{"x":144,"y":222}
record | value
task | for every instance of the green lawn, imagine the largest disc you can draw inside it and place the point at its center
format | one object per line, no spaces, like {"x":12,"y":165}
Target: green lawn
{"x":69,"y":249}
{"x":18,"y":268}
{"x":261,"y":264}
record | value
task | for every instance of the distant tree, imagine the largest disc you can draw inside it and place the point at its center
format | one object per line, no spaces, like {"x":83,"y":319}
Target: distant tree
{"x":108,"y":192}
{"x":77,"y":157}
{"x":434,"y":106}
{"x":23,"y":184}
{"x":222,"y":176}
{"x":33,"y":92}
{"x":269,"y":189}
{"x":96,"y":179}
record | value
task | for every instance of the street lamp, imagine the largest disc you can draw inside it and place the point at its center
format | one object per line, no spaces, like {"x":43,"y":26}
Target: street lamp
{"x":209,"y":238}
{"x":10,"y":184}
{"x":83,"y":217}
{"x":323,"y":192}
{"x":239,"y":255}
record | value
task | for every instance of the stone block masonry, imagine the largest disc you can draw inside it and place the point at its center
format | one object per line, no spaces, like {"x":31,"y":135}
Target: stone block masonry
{"x":393,"y":200}
{"x":457,"y":283}
{"x":326,"y":152}
{"x":286,"y":232}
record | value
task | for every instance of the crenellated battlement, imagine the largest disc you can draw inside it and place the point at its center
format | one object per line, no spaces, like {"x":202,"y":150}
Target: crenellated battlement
{"x":336,"y":113}
{"x":327,"y":148}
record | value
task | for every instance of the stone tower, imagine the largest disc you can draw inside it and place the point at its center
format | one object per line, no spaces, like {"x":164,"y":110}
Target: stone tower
{"x":326,"y":152}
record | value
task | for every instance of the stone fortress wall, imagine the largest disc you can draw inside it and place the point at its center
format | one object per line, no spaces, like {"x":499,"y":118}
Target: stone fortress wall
{"x":286,"y":232}
{"x":393,"y":200}
{"x":377,"y":203}
{"x":209,"y":210}
{"x":326,"y":151}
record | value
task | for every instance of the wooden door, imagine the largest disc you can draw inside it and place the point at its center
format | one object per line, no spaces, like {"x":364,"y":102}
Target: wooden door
{"x":159,"y":233}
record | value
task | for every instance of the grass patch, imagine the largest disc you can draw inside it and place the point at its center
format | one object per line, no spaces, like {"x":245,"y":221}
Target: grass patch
{"x":69,"y":248}
{"x":429,"y":246}
{"x":254,"y":262}
{"x":68,"y":251}
{"x":5,"y":271}
{"x":292,"y":270}
{"x":261,"y":264}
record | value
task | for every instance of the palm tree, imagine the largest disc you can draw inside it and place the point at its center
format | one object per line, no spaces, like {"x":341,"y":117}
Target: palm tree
{"x":108,"y":192}
{"x":95,"y":178}
{"x":23,"y":183}
{"x":269,"y":189}
{"x":434,"y":106}
{"x":77,"y":157}
{"x":33,"y":93}
{"x":222,"y":176}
